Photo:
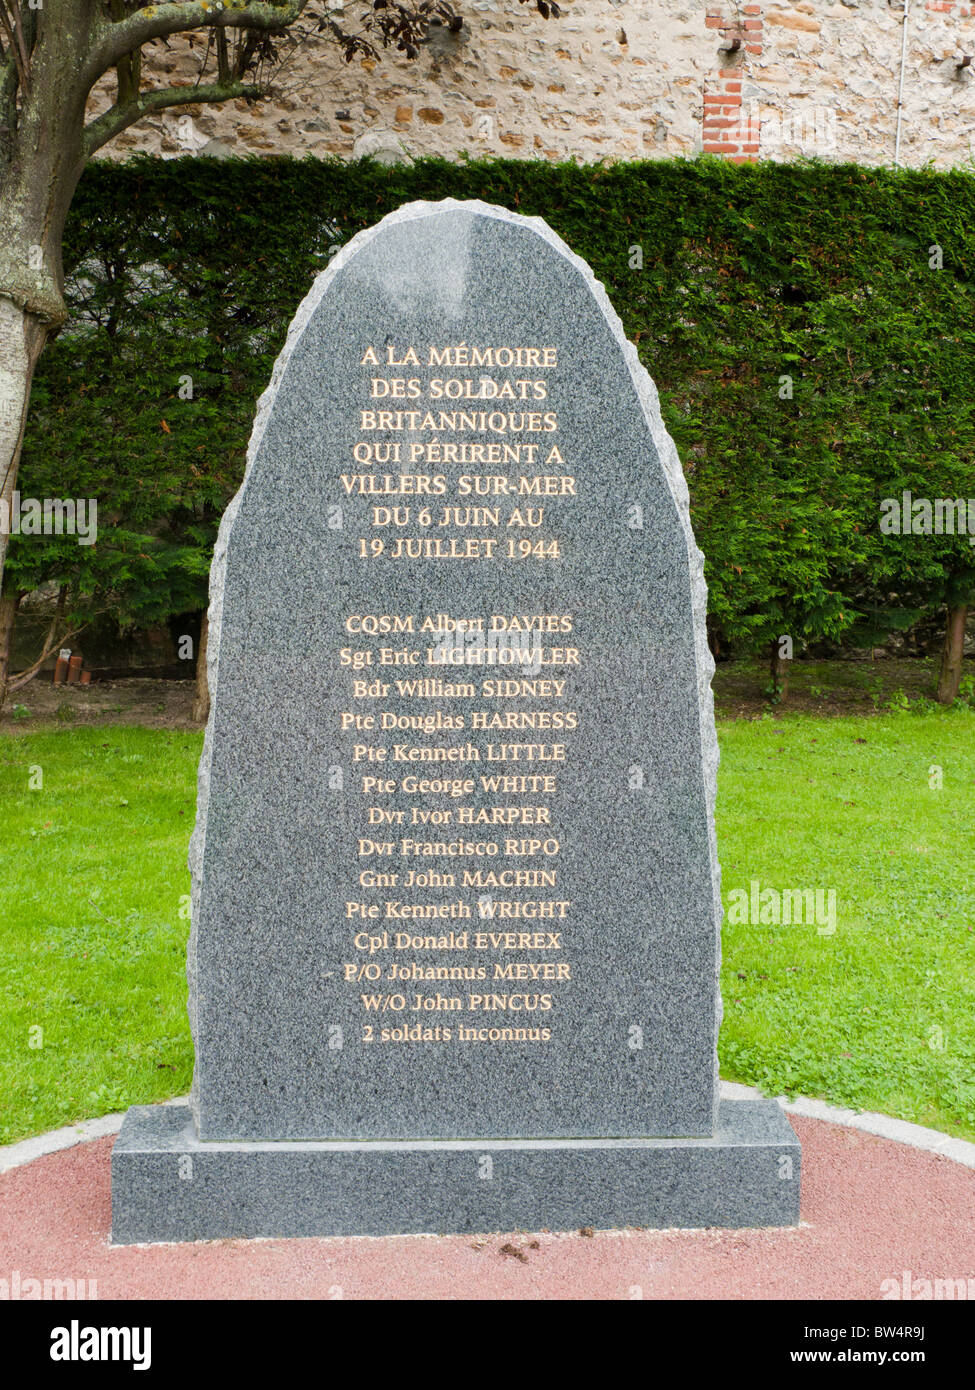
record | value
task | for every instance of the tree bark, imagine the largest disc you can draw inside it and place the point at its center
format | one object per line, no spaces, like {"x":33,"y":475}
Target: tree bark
{"x":43,"y":160}
{"x":22,"y":337}
{"x":949,"y":679}
{"x":779,"y":671}
{"x":201,"y":704}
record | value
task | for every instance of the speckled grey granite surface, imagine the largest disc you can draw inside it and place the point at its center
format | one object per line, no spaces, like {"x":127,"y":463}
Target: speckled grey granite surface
{"x":168,"y":1186}
{"x":297,"y":1125}
{"x":272,"y":856}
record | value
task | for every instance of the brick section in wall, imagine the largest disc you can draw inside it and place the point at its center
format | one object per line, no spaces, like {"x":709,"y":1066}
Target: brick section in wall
{"x":726,"y":131}
{"x":951,"y":7}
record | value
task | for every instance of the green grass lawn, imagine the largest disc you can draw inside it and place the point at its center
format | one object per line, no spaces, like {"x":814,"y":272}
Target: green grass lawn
{"x":92,"y":944}
{"x":878,"y":1015}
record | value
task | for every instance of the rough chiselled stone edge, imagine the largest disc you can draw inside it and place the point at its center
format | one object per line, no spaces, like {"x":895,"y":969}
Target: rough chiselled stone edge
{"x":673,"y":473}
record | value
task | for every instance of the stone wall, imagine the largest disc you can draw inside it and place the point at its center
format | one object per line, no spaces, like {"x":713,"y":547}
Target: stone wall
{"x":613,"y":79}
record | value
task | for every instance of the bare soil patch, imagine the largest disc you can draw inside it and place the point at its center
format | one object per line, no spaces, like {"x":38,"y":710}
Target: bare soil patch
{"x":740,"y":692}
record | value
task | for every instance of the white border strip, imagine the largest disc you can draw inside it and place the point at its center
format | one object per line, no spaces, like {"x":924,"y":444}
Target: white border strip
{"x":16,"y":1155}
{"x":884,"y":1126}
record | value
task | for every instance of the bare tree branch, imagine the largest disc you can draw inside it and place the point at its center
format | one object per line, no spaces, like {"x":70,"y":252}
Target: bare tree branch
{"x":21,"y":679}
{"x":52,"y":640}
{"x":127,"y":69}
{"x":19,"y":56}
{"x":114,"y":41}
{"x":9,"y":82}
{"x":118,"y":118}
{"x":223,"y":60}
{"x":14,"y":9}
{"x":247,"y":45}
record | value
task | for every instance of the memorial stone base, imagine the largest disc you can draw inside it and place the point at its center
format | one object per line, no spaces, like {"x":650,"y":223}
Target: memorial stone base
{"x":167,"y":1185}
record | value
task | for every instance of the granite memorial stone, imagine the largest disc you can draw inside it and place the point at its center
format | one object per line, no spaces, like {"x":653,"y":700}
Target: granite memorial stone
{"x":456,"y":909}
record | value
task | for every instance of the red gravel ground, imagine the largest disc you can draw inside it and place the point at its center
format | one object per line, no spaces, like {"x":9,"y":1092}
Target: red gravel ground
{"x":871,"y":1209}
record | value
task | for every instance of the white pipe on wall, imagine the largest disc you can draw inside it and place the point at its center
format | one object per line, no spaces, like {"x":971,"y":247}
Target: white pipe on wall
{"x":900,"y":89}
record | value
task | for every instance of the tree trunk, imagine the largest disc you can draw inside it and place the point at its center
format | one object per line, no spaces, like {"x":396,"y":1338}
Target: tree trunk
{"x":779,"y":671}
{"x":952,"y":653}
{"x":201,"y":705}
{"x":9,"y":604}
{"x":22,"y":336}
{"x":43,"y":149}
